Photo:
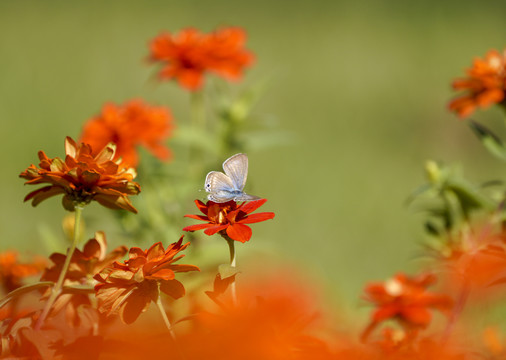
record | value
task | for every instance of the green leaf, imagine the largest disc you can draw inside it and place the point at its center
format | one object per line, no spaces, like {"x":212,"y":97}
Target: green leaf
{"x":432,"y":229}
{"x":227,"y":271}
{"x":491,"y":141}
{"x":24,"y":290}
{"x":469,"y":197}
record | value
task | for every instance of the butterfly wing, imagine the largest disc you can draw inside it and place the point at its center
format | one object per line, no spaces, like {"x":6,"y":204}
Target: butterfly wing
{"x":219,"y":186}
{"x":246,"y":197}
{"x":236,"y":167}
{"x":225,"y":187}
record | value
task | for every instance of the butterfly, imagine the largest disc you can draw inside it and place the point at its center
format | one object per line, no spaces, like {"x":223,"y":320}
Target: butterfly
{"x":229,"y":186}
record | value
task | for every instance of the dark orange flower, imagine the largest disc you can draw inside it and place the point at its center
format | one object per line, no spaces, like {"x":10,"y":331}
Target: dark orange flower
{"x":484,"y":86}
{"x":188,"y":55}
{"x":128,"y":126}
{"x":276,"y":318}
{"x":83,"y":266}
{"x":82,"y":177}
{"x":129,"y":287}
{"x":12,"y":272}
{"x":229,"y":217}
{"x":406,"y":300}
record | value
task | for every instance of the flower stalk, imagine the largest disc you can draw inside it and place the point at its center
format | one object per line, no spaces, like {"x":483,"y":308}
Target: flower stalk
{"x":198,"y":112}
{"x":164,"y":315}
{"x":231,"y":248}
{"x":55,"y":292}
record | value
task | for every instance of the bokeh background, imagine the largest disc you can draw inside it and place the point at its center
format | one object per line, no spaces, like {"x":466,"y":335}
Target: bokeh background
{"x":356,"y":97}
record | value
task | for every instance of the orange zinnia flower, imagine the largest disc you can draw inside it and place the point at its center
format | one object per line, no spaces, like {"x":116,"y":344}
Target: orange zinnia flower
{"x":229,"y":218}
{"x":406,"y":300}
{"x":82,"y":178}
{"x":129,"y":287}
{"x":188,"y":55}
{"x":128,"y":126}
{"x":83,"y":266}
{"x":486,"y":84}
{"x":12,"y":272}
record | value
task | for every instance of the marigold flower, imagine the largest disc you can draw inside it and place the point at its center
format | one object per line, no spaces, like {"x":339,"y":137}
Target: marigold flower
{"x":12,"y":272}
{"x":406,"y":300}
{"x":187,"y":55}
{"x":484,"y":86}
{"x":82,"y":177}
{"x":129,"y":287}
{"x":229,"y":217}
{"x":128,"y":126}
{"x":83,"y":266}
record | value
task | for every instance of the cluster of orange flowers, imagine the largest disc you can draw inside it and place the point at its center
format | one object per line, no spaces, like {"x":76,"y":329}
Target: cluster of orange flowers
{"x":128,"y":126}
{"x":98,"y":305}
{"x":188,"y":55}
{"x":484,"y":86}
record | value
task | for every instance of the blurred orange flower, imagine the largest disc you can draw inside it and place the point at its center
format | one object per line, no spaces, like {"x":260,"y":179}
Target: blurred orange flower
{"x":128,"y":126}
{"x":478,"y":263}
{"x":12,"y":272}
{"x":229,"y":217}
{"x":275,"y":319}
{"x":187,"y":55}
{"x":406,"y":300}
{"x":82,"y":177}
{"x":484,"y":86}
{"x":83,"y":266}
{"x":129,"y":287}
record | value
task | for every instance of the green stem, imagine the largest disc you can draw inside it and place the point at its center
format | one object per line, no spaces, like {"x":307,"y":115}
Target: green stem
{"x":198,"y":113}
{"x":55,"y":292}
{"x":231,"y":248}
{"x":164,"y":317}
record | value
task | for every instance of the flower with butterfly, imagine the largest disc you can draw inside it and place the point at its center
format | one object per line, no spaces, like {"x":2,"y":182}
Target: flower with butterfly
{"x":222,"y":214}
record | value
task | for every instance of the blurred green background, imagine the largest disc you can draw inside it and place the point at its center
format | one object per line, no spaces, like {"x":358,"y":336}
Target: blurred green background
{"x":358,"y":88}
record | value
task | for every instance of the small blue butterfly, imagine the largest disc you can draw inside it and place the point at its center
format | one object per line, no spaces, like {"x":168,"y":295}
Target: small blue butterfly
{"x":229,"y":186}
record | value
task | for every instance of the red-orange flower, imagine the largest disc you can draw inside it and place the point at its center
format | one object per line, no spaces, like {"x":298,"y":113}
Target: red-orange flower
{"x":406,"y":300}
{"x":129,"y":287}
{"x":12,"y":272}
{"x":229,"y":217}
{"x":128,"y":126}
{"x":82,"y":177}
{"x":484,"y":86}
{"x":83,"y":266}
{"x":187,"y":55}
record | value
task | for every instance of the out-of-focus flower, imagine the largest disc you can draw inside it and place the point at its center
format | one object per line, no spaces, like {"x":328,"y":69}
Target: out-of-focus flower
{"x":82,"y":177}
{"x":406,"y":300}
{"x":129,"y":287}
{"x":12,"y":272}
{"x":187,"y":55}
{"x":274,"y":319}
{"x":83,"y":266}
{"x":494,"y":343}
{"x":484,"y":86}
{"x":128,"y":126}
{"x":229,"y":217}
{"x":474,"y":261}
